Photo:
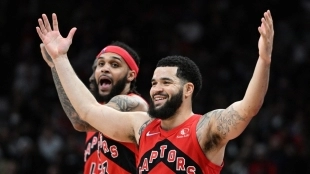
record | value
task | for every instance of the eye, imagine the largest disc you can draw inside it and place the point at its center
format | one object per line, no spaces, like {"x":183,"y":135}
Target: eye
{"x":166,"y":82}
{"x":100,"y":64}
{"x":114,"y":65}
{"x":154,"y":83}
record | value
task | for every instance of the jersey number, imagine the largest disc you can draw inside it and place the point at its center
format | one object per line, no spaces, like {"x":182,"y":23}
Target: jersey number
{"x":103,"y":168}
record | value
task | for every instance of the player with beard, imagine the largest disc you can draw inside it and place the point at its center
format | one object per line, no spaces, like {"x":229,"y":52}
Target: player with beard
{"x":111,"y":79}
{"x":169,"y":108}
{"x":174,"y":140}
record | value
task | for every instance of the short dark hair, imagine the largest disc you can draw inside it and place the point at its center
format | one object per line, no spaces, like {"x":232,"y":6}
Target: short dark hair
{"x":187,"y":70}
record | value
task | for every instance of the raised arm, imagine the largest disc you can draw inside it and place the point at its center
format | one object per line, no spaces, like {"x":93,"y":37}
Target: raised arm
{"x":217,"y":127}
{"x":122,"y":126}
{"x":118,"y":125}
{"x":122,"y":103}
{"x":73,"y":116}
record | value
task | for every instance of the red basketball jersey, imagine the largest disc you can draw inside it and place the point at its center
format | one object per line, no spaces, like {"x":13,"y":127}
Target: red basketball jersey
{"x":103,"y":155}
{"x":173,"y":151}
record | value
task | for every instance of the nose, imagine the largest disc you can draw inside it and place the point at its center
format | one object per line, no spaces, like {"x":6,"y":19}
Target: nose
{"x":157,"y":89}
{"x":105,"y":68}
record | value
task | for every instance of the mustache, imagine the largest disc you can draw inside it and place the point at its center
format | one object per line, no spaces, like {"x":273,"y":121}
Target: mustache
{"x":160,"y":93}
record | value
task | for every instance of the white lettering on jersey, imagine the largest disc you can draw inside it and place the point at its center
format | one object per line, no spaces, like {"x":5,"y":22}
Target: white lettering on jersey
{"x":171,"y":158}
{"x":98,"y":144}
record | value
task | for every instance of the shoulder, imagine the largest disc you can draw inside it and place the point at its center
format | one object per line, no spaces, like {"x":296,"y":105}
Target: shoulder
{"x":141,"y":101}
{"x":139,"y":98}
{"x":207,"y":120}
{"x":128,"y":103}
{"x":143,"y":105}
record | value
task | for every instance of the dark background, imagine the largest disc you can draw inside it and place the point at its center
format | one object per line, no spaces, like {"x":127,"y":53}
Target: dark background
{"x":219,"y":35}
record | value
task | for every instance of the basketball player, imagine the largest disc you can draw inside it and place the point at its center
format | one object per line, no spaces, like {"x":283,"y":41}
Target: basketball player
{"x":171,"y":138}
{"x":111,"y":77}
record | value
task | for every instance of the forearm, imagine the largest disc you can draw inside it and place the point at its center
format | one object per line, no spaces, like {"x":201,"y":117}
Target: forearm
{"x":257,"y":88}
{"x":229,"y":123}
{"x":118,"y":127}
{"x":79,"y":96}
{"x":73,"y":116}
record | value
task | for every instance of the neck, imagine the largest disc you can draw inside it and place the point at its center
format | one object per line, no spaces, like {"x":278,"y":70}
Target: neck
{"x":182,"y":114}
{"x":126,"y":89}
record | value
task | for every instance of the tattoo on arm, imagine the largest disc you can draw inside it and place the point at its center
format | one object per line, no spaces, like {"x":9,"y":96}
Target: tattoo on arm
{"x":48,"y":57}
{"x":204,"y":121}
{"x":124,"y":103}
{"x":205,"y":136}
{"x":227,"y":120}
{"x":66,"y":104}
{"x":143,"y":126}
{"x":224,"y":120}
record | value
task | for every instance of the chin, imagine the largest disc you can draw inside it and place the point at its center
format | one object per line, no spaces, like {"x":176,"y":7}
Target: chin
{"x":104,"y":93}
{"x":158,"y":106}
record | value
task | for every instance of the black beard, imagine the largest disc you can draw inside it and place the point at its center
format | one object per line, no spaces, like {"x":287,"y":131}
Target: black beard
{"x":116,"y":90}
{"x":168,"y":109}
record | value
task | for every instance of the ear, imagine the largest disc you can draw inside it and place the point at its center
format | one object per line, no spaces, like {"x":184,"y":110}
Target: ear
{"x":131,"y":75}
{"x":188,"y":89}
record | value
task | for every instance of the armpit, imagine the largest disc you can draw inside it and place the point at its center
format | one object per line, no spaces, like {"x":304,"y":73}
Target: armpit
{"x":207,"y":137}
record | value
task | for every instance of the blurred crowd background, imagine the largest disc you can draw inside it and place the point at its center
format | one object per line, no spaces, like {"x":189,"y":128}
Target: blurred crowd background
{"x":221,"y":36}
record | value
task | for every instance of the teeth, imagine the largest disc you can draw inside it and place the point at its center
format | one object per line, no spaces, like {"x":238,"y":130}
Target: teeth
{"x":156,"y":99}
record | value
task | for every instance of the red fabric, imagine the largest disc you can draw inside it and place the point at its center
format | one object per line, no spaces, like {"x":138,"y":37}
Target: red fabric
{"x":99,"y":150}
{"x":98,"y":162}
{"x":124,"y":54}
{"x":173,"y":151}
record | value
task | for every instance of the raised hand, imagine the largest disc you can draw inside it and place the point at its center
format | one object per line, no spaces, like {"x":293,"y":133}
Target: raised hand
{"x":266,"y":31}
{"x":54,"y":43}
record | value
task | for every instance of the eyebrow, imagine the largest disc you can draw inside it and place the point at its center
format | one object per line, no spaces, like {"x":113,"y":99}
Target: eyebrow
{"x":162,"y":79}
{"x":114,"y":57}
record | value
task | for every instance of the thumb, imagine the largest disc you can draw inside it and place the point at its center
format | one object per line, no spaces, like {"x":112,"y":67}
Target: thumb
{"x":71,"y":33}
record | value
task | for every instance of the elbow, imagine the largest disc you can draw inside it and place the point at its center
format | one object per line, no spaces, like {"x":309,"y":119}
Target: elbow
{"x":79,"y":126}
{"x":255,"y":109}
{"x":250,"y":110}
{"x":86,"y":113}
{"x":254,"y":112}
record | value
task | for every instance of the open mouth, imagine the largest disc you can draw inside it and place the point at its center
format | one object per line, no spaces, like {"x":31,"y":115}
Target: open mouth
{"x":104,"y":82}
{"x":159,"y":99}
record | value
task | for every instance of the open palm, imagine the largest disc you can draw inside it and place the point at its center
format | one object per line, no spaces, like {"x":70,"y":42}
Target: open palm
{"x":266,"y":36}
{"x":55,"y":44}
